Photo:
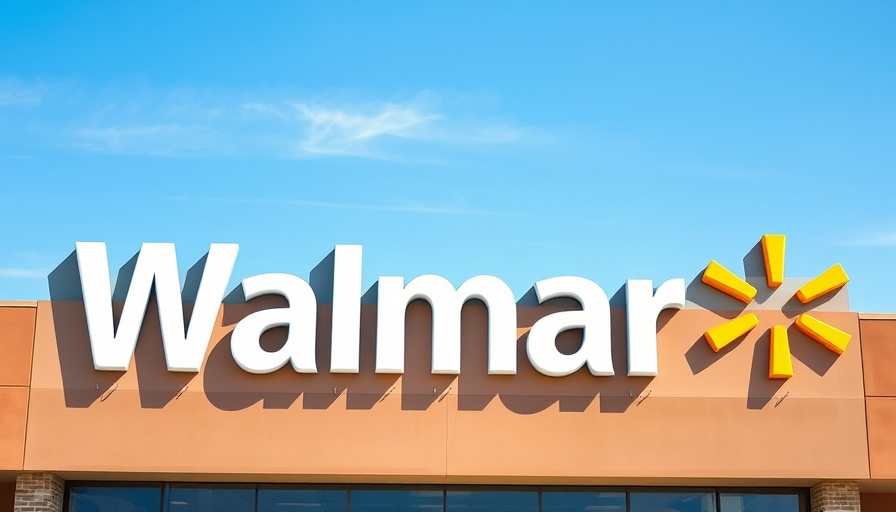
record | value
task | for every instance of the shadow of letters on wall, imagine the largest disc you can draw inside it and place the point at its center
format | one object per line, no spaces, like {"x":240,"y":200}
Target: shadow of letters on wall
{"x":277,"y":337}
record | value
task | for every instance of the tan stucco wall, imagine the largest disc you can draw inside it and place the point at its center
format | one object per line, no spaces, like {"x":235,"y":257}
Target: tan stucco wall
{"x":16,"y":341}
{"x":879,"y":357}
{"x":17,"y":323}
{"x":14,"y":404}
{"x":706,"y":416}
{"x":882,"y":436}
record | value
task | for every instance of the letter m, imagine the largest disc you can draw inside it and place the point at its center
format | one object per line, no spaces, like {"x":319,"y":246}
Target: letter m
{"x":156,"y":266}
{"x":446,"y":302}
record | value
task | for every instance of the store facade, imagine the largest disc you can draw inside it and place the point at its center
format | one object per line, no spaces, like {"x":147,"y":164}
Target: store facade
{"x":711,"y":430}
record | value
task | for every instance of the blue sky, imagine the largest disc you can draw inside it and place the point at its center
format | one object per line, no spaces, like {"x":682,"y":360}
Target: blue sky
{"x":524,"y":140}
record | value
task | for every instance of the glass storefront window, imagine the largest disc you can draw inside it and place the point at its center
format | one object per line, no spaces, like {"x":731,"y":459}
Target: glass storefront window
{"x":149,"y":497}
{"x":223,"y":498}
{"x":745,"y":502}
{"x":115,"y":499}
{"x":491,"y":501}
{"x":673,"y":501}
{"x":396,"y":500}
{"x":275,"y":499}
{"x":576,"y":501}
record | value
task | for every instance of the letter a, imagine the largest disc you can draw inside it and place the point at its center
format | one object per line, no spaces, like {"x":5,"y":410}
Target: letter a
{"x":593,"y":319}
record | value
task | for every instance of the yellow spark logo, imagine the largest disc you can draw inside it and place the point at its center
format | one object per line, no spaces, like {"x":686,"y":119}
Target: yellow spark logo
{"x":780,"y":365}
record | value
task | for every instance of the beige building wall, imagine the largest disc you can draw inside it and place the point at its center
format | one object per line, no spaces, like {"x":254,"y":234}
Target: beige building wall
{"x":707,"y":417}
{"x":17,"y":323}
{"x":879,"y":358}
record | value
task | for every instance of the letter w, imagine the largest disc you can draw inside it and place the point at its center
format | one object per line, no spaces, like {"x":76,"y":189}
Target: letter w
{"x":156,"y":264}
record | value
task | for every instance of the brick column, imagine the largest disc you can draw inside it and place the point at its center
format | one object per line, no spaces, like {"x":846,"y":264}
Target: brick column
{"x":38,"y":492}
{"x":836,"y":497}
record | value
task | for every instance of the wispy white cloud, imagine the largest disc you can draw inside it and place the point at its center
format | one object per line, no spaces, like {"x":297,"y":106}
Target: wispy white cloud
{"x":341,"y":132}
{"x":875,"y":239}
{"x":142,"y":120}
{"x":418,"y":208}
{"x":25,"y":273}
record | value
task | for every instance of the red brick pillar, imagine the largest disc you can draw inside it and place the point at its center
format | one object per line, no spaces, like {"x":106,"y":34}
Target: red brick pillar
{"x":836,"y":497}
{"x":38,"y":492}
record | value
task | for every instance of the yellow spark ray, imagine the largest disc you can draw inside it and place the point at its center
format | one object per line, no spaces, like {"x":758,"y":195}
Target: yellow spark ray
{"x":722,"y":335}
{"x":829,"y":336}
{"x":831,"y":279}
{"x":780,"y":365}
{"x":773,"y":254}
{"x":727,"y":282}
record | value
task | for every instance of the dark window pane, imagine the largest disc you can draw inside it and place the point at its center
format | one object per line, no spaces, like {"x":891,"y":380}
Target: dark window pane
{"x":561,"y":501}
{"x":673,"y":502}
{"x":302,"y":500}
{"x":492,"y":501}
{"x":386,"y":500}
{"x":115,"y":499}
{"x":732,"y":502}
{"x":211,"y":499}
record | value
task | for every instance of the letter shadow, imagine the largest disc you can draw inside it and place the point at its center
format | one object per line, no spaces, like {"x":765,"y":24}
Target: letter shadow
{"x":701,"y":356}
{"x":82,"y":384}
{"x":367,"y":388}
{"x":321,"y":279}
{"x":761,"y":389}
{"x":228,"y":387}
{"x":363,"y":390}
{"x":158,"y":386}
{"x":123,"y":282}
{"x":530,"y":392}
{"x":619,"y":392}
{"x":193,"y":279}
{"x":811,"y":353}
{"x":754,"y":273}
{"x":754,"y":262}
{"x":420,"y":388}
{"x":794,"y":307}
{"x":707,"y":297}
